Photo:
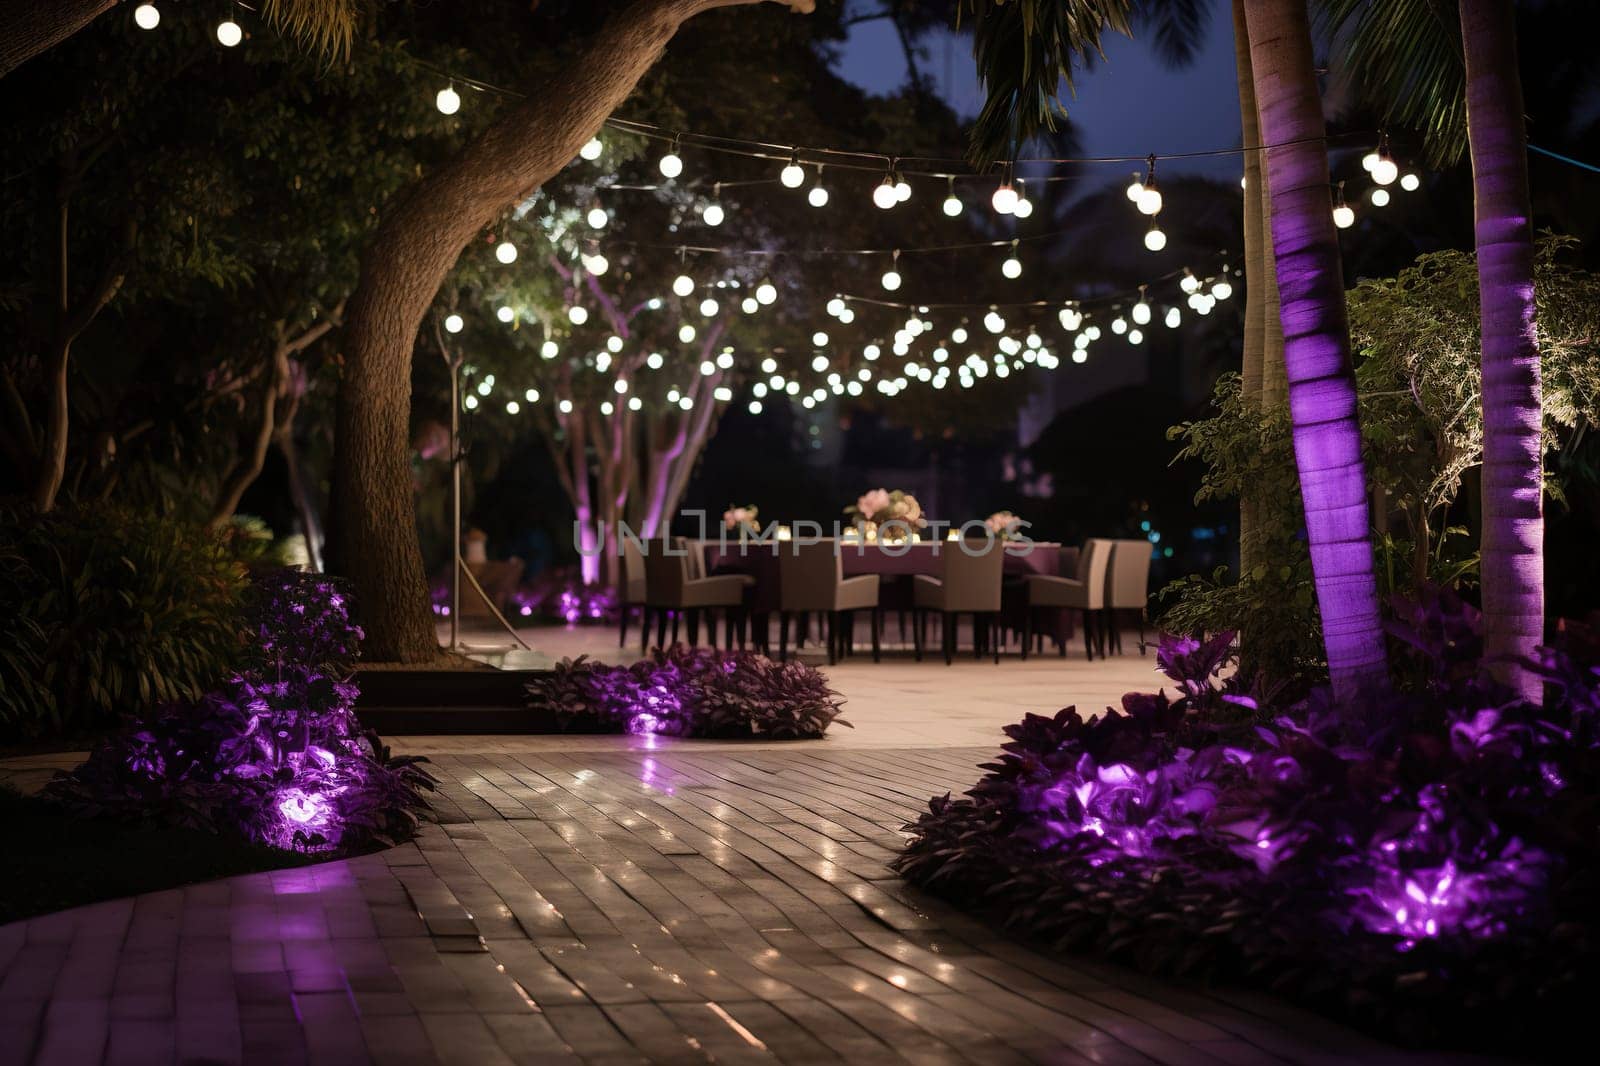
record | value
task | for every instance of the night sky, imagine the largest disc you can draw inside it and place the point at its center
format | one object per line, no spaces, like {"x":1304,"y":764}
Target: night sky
{"x":1130,"y":105}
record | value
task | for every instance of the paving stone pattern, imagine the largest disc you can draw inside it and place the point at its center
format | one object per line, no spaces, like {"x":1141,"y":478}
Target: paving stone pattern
{"x":694,"y":903}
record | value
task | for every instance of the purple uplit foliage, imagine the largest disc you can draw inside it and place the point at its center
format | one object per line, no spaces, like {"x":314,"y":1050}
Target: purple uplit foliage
{"x":562,"y":600}
{"x":276,"y":754}
{"x":1425,"y":851}
{"x":692,"y":692}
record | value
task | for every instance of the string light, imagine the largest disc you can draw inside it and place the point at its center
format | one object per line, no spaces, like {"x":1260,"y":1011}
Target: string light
{"x":512,"y":407}
{"x":749,"y":305}
{"x":506,"y":252}
{"x":1173,"y":318}
{"x":634,"y":403}
{"x":1141,"y":310}
{"x":671,"y":164}
{"x":1189,"y":283}
{"x":1223,"y":288}
{"x":655,"y":361}
{"x":755,"y":407}
{"x":792,"y":175}
{"x":1379,"y":197}
{"x":1149,"y":201}
{"x":1383,"y":169}
{"x":712,"y":214}
{"x":819,"y":339}
{"x":1024,"y":207}
{"x":596,"y":264}
{"x":228,"y":32}
{"x":686,"y":333}
{"x":146,"y":17}
{"x":532,"y":396}
{"x":683,"y":285}
{"x":952,"y":202}
{"x":453,"y":323}
{"x":591,"y":149}
{"x":1119,"y":325}
{"x":1154,"y":239}
{"x":549,"y":350}
{"x":1012,"y":267}
{"x":884,"y":195}
{"x":708,"y":307}
{"x":1135,"y":188}
{"x":1135,"y":336}
{"x":505,"y":314}
{"x":1410,"y":182}
{"x":835,"y":306}
{"x":818,"y":196}
{"x":766,"y":293}
{"x":1344,"y":215}
{"x":902,"y":189}
{"x":577,"y":314}
{"x":1004,"y":199}
{"x":891,"y":277}
{"x":447,"y":100}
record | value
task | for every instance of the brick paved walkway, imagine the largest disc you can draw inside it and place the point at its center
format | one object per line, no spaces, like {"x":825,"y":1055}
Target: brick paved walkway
{"x":699,"y":902}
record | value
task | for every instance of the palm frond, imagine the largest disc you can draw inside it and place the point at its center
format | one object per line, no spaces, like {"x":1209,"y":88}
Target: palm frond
{"x":1025,"y":51}
{"x":1403,"y":58}
{"x":326,"y":27}
{"x":1176,"y":28}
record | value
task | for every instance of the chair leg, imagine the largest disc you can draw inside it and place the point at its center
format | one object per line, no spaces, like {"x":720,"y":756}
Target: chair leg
{"x":994,"y":626}
{"x":849,"y":632}
{"x":1141,"y":633}
{"x":832,"y":647}
{"x":622,"y":635}
{"x":916,"y":636}
{"x":676,"y":615}
{"x":711,"y":628}
{"x":1088,"y":634}
{"x":980,"y":633}
{"x":903,"y":625}
{"x":949,"y":637}
{"x":1027,"y":631}
{"x":661,"y":627}
{"x":875,"y":627}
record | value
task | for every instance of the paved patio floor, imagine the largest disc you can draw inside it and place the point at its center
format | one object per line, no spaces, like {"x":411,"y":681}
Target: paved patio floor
{"x":611,"y":900}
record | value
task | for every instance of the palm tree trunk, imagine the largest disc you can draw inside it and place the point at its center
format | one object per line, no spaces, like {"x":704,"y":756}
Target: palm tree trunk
{"x":1321,"y":379}
{"x":1254,"y":269}
{"x":1513,"y":475}
{"x":374,"y":534}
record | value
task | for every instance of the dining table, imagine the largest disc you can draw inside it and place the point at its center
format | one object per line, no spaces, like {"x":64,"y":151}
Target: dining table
{"x":897,"y":564}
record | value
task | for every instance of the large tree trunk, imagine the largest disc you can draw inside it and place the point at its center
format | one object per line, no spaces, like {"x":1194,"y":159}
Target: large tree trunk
{"x":375,"y":537}
{"x":1321,"y":379}
{"x":1513,"y":476}
{"x":28,"y":27}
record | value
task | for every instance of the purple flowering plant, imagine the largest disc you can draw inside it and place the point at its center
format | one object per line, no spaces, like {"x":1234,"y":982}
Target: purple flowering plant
{"x":276,"y":753}
{"x":1405,"y":860}
{"x":692,"y":692}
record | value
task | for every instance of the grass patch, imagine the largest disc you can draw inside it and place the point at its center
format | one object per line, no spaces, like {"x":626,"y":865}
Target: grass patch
{"x":58,"y":860}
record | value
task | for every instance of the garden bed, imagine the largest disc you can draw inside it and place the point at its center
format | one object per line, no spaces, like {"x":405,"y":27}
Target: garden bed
{"x":1420,"y":864}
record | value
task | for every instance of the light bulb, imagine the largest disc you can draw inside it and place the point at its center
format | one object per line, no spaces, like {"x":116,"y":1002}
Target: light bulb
{"x":596,"y":264}
{"x":453,"y":323}
{"x":725,"y":360}
{"x":1012,"y":268}
{"x":549,"y":349}
{"x":952,"y":205}
{"x":532,"y":396}
{"x":577,"y":315}
{"x":597,"y":218}
{"x":1410,"y":182}
{"x":1344,"y":216}
{"x":470,"y":403}
{"x":712,"y":215}
{"x":448,"y":101}
{"x":634,"y":403}
{"x":1380,"y":197}
{"x":792,"y":176}
{"x":1080,"y":355}
{"x":1141,"y":313}
{"x":686,"y":333}
{"x":1071,"y":318}
{"x":819,"y":338}
{"x":1190,"y":283}
{"x":871,"y":352}
{"x":902,"y":190}
{"x":1369,"y":161}
{"x":891,"y":280}
{"x":505,"y":314}
{"x":817,"y":197}
{"x":655,"y":361}
{"x":749,"y":305}
{"x":229,"y":33}
{"x":683,"y":285}
{"x":1119,"y":325}
{"x":708,"y":307}
{"x":146,"y":17}
{"x":1222,"y":290}
{"x":959,"y":335}
{"x":506,"y":252}
{"x":565,"y":406}
{"x":1149,"y":202}
{"x":819,"y":363}
{"x":1174,"y":316}
{"x":1023,"y":209}
{"x":1093,"y":333}
{"x":1004,"y":199}
{"x":766,"y":292}
{"x":993,"y":322}
{"x":685,"y":403}
{"x":591,"y":149}
{"x":671,"y":165}
{"x":1155,"y":240}
{"x":884,"y":195}
{"x":620,"y":385}
{"x":722,"y":394}
{"x":613,"y":343}
{"x":1384,"y":171}
{"x":755,"y":407}
{"x":512,"y":407}
{"x":1135,"y":187}
{"x":835,"y":305}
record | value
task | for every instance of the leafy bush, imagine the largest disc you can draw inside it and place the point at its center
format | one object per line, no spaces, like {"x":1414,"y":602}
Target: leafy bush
{"x":1406,"y":861}
{"x":110,"y":611}
{"x":275,"y":755}
{"x":692,"y":692}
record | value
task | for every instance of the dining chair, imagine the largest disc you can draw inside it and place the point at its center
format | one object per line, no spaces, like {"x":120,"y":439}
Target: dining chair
{"x":1128,"y":586}
{"x":811,"y":578}
{"x":672,"y":591}
{"x":631,"y":588}
{"x":1086,"y":593}
{"x":968,"y":583}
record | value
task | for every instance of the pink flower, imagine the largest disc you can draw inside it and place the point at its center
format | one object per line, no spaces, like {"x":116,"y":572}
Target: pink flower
{"x":873,"y":502}
{"x":735,"y":517}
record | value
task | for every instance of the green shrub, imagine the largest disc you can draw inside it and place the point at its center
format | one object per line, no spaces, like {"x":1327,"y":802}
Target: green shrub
{"x":110,"y":611}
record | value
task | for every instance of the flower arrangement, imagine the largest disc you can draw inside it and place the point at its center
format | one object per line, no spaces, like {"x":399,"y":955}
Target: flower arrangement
{"x":692,"y":692}
{"x":276,"y":754}
{"x":1004,"y":524}
{"x":878,"y":507}
{"x":1406,"y":861}
{"x":741,"y":518}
